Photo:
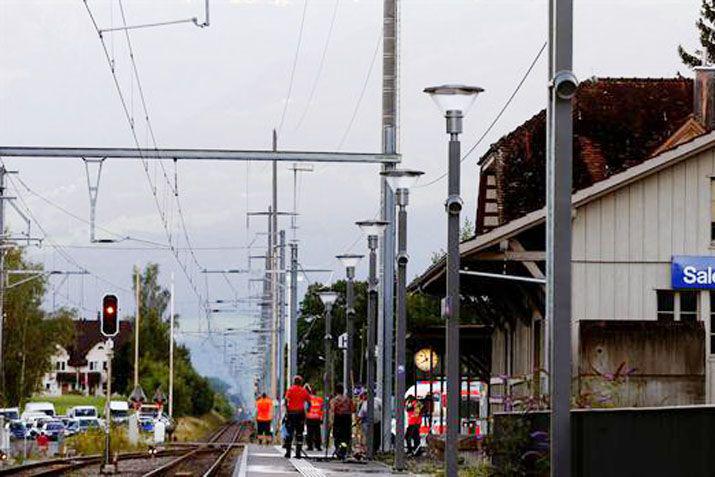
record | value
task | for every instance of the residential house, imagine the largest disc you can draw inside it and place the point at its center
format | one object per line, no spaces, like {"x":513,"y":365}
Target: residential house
{"x":82,"y":367}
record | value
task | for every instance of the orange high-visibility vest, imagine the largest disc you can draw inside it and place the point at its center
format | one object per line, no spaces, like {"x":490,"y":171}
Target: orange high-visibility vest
{"x":264,"y":409}
{"x":316,"y":408}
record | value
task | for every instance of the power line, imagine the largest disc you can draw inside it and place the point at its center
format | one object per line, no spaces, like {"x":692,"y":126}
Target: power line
{"x":496,"y":119}
{"x":314,"y":88}
{"x":362,"y":92}
{"x":295,"y":62}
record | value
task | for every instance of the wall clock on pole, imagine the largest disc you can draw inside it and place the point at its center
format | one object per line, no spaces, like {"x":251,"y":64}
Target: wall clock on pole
{"x":426,"y":359}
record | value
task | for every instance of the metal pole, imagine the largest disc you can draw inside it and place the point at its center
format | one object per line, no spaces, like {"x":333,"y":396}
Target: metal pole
{"x":558,"y":225}
{"x":371,"y":315}
{"x":293,"y":362}
{"x":2,"y":279}
{"x":137,"y":291}
{"x":281,"y":308}
{"x":328,"y":375}
{"x":274,"y":279}
{"x":350,"y":327}
{"x":401,"y":329}
{"x":171,"y":349}
{"x":452,"y":308}
{"x":109,"y":345}
{"x":390,"y":71}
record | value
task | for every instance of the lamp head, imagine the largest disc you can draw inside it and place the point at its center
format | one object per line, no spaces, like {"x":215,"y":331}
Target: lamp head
{"x":328,"y":297}
{"x":349,"y":260}
{"x":453,"y":97}
{"x":401,"y":178}
{"x":372,"y":227}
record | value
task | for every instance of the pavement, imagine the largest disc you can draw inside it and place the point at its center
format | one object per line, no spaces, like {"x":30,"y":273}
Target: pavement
{"x":268,"y":461}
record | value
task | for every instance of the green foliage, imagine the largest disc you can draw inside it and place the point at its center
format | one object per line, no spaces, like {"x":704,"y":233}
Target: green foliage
{"x":192,"y":392}
{"x":467,"y":230}
{"x":31,"y":335}
{"x":706,"y":29}
{"x":92,"y":441}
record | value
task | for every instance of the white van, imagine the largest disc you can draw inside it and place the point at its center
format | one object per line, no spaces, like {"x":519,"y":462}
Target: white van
{"x":75,"y":412}
{"x":10,"y":413}
{"x":119,"y":411}
{"x":44,"y":407}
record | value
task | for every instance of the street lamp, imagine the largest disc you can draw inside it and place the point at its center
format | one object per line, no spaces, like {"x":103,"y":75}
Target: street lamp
{"x":373,"y":229}
{"x":350,"y":262}
{"x":400,"y":182}
{"x":328,"y":298}
{"x":454,"y":101}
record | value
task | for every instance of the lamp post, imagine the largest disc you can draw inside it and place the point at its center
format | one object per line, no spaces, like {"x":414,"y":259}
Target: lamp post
{"x":454,"y":101}
{"x":328,"y":298}
{"x":373,"y":229}
{"x":400,"y":182}
{"x":349,"y":261}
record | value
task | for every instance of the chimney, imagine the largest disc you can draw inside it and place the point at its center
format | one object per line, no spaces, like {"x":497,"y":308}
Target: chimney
{"x":704,"y":96}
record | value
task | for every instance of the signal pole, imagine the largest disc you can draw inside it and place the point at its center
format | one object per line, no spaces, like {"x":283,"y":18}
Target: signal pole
{"x":137,"y":291}
{"x":2,"y":277}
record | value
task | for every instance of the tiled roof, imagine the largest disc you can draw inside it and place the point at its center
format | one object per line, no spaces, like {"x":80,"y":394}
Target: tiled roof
{"x":618,"y":123}
{"x":88,"y":334}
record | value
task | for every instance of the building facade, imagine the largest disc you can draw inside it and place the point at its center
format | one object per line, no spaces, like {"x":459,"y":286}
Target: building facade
{"x":82,"y":368}
{"x":644,"y":198}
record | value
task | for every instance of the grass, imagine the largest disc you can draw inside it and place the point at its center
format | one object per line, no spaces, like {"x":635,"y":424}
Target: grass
{"x":197,"y":428}
{"x":62,"y":403}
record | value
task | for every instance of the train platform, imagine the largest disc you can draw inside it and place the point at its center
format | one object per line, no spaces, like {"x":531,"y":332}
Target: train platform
{"x":268,"y":461}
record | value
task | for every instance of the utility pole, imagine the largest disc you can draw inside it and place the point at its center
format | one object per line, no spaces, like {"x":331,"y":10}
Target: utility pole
{"x":559,"y":170}
{"x":171,"y":349}
{"x":293,"y":341}
{"x":274,"y":277}
{"x":386,"y":313}
{"x":281,"y":309}
{"x":137,"y":291}
{"x":2,"y":278}
{"x":296,"y":169}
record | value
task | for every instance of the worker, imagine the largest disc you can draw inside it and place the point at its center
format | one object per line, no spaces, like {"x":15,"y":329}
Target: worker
{"x":342,"y":409}
{"x":297,"y":399}
{"x":264,"y":417}
{"x":314,"y":420}
{"x":414,"y":419}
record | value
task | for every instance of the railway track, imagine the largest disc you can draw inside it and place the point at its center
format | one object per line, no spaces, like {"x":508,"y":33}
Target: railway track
{"x":208,"y":459}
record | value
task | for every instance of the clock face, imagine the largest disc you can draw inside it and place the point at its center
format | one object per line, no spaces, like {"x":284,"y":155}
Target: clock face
{"x":426,"y":359}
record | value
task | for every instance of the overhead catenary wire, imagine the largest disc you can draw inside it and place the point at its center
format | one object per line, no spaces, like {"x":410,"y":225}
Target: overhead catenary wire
{"x":362,"y":93}
{"x":496,"y":118}
{"x":321,"y":65}
{"x":130,"y":119}
{"x":293,"y":67}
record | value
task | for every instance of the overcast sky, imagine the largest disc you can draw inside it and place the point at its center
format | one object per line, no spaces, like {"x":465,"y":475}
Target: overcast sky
{"x":226,"y":87}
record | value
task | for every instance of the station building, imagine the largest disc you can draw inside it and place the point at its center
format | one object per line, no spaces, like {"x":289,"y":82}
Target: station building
{"x":643,"y":253}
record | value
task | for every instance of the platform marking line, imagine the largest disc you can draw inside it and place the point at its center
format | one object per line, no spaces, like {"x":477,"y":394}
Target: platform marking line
{"x":241,"y":471}
{"x":306,"y":469}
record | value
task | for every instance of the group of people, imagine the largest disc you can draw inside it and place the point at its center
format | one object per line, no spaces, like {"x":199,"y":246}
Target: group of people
{"x":305,"y":414}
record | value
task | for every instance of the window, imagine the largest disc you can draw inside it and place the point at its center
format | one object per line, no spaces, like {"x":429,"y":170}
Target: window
{"x":104,"y":365}
{"x":677,"y":306}
{"x":58,"y":366}
{"x":92,"y":365}
{"x":689,"y":306}
{"x":666,"y":305}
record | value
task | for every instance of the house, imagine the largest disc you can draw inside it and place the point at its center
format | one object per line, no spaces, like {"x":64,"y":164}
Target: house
{"x":643,"y":202}
{"x":82,"y":367}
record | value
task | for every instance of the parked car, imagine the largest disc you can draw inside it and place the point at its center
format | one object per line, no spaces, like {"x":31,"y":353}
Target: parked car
{"x":54,"y":429}
{"x":119,"y":411}
{"x":34,"y":421}
{"x":82,"y":411}
{"x":18,"y":429}
{"x":10,"y":413}
{"x":71,"y":427}
{"x":86,"y":423}
{"x":44,"y":407}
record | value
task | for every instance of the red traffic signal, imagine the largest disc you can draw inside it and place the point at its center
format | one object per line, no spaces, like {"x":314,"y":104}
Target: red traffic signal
{"x":110,"y":321}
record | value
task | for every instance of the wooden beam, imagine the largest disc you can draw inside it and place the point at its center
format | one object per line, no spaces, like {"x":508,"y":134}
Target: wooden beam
{"x":510,"y":255}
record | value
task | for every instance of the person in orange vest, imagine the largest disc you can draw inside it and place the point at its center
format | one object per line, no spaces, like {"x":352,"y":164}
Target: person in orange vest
{"x":313,"y":420}
{"x":264,"y":417}
{"x":414,"y":419}
{"x":297,"y":399}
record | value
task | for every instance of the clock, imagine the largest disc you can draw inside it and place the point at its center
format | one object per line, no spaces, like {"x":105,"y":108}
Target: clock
{"x":426,"y":359}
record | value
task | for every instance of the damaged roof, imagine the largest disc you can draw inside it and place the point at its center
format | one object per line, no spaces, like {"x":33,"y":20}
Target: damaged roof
{"x":618,"y":123}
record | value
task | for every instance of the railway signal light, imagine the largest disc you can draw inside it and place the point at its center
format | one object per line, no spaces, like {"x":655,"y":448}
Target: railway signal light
{"x":110,"y":320}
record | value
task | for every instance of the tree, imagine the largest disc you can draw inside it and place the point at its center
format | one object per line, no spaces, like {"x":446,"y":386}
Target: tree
{"x":706,"y":27}
{"x":30,"y":335}
{"x":192,"y":392}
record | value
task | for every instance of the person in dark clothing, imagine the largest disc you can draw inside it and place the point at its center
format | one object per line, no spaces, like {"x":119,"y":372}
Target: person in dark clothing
{"x":341,"y":409}
{"x":296,"y":400}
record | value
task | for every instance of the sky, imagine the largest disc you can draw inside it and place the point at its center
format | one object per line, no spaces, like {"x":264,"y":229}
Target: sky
{"x":228,"y":85}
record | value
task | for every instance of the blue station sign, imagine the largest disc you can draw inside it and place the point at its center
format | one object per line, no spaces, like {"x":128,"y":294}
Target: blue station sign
{"x":689,"y":272}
